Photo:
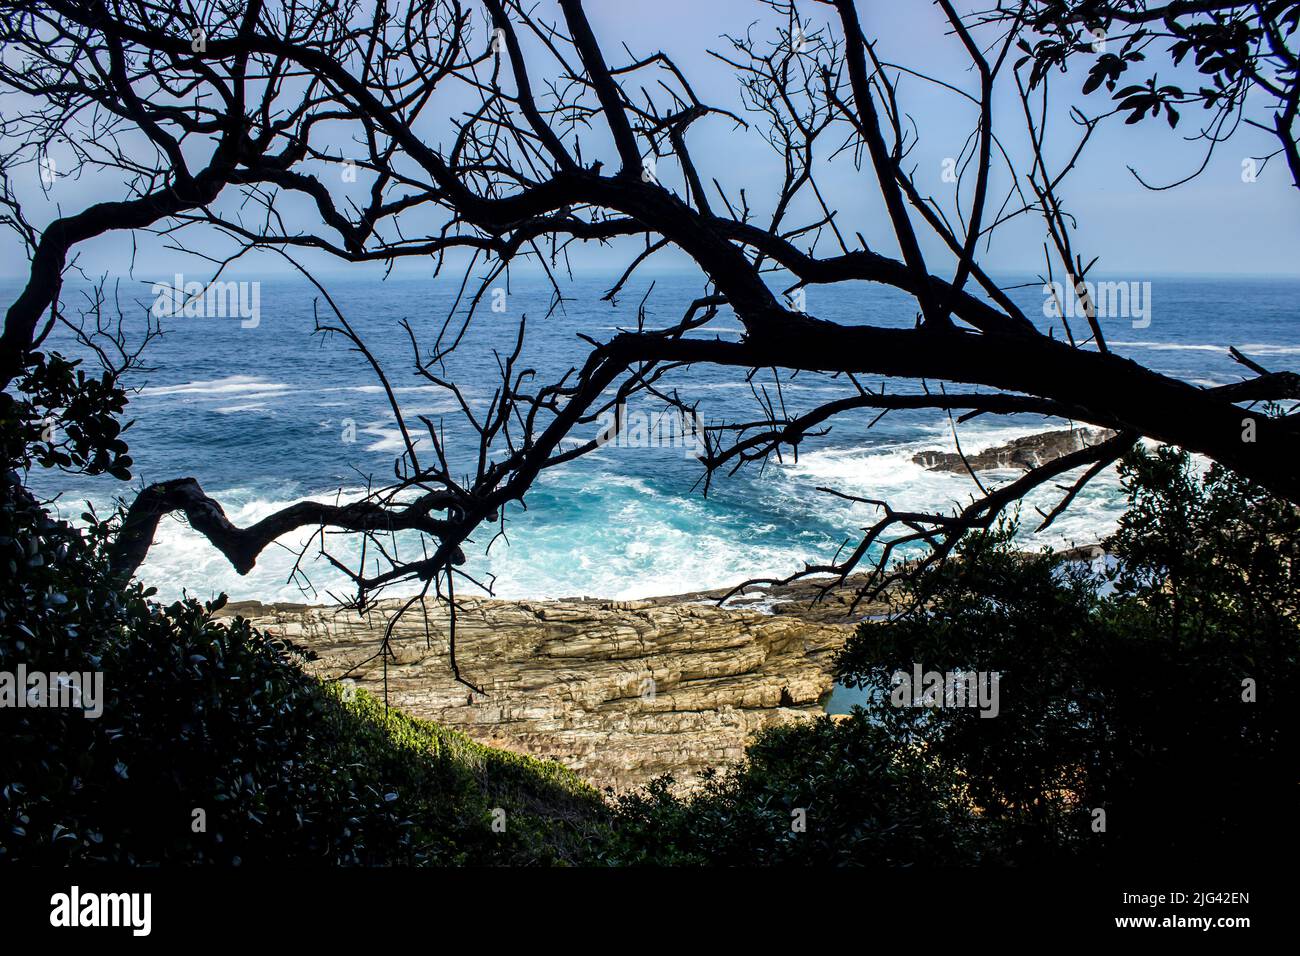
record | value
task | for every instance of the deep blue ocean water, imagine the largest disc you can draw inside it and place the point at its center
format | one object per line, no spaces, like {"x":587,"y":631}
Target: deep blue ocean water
{"x":269,"y":414}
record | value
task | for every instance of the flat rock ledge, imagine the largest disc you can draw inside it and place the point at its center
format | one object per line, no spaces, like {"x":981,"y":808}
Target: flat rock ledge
{"x":618,"y":691}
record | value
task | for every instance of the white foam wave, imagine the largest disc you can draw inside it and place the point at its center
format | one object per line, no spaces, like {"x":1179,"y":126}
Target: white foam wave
{"x":1254,"y":348}
{"x":1171,"y":346}
{"x":1265,"y":349}
{"x":605,"y":534}
{"x":632,"y":546}
{"x":746,"y":386}
{"x":241,"y":385}
{"x":379,"y":389}
{"x":387,"y":438}
{"x":891,"y":475}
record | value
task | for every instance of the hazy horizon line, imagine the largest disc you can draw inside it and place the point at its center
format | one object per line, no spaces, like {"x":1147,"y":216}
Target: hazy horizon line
{"x":528,"y":271}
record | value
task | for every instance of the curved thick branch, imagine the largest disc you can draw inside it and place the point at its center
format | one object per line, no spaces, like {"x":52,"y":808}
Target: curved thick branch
{"x":241,"y":546}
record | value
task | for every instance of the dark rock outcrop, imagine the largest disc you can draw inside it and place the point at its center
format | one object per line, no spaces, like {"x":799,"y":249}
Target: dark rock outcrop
{"x":1021,"y":454}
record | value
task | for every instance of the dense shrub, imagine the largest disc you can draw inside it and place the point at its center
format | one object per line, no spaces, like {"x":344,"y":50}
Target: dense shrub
{"x":213,"y":716}
{"x":1123,"y":689}
{"x":826,"y":793}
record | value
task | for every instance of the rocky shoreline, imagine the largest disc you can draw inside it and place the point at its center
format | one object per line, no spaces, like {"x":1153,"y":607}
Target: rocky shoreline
{"x":618,"y":691}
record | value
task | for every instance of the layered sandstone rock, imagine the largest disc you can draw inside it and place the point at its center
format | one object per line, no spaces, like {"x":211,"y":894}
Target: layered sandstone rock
{"x":619,"y":691}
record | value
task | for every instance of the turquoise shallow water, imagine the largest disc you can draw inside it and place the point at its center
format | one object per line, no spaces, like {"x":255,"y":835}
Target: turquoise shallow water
{"x":268,"y":414}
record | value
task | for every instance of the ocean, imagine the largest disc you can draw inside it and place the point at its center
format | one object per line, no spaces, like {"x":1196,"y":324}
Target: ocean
{"x":265,"y":413}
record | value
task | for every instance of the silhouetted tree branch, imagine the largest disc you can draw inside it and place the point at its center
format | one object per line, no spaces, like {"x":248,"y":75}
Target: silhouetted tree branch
{"x":245,"y":110}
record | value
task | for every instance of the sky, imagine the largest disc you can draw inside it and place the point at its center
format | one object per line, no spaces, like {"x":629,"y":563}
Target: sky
{"x":1216,"y":225}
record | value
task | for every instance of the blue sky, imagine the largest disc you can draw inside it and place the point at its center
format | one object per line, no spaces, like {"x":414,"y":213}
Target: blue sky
{"x":1217,"y":224}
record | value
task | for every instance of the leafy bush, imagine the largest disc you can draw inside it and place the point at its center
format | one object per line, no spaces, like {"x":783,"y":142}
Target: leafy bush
{"x":825,"y":793}
{"x":1121,"y":690}
{"x":215,"y":717}
{"x":60,"y":417}
{"x":1126,"y":690}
